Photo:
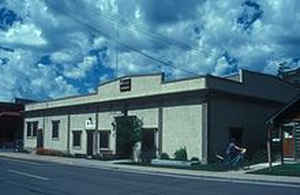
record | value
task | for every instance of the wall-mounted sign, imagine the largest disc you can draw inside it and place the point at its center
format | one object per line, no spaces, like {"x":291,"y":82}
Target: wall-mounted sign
{"x":125,"y":85}
{"x":89,"y":124}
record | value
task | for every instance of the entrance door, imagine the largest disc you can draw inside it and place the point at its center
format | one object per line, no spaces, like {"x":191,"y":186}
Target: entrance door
{"x":288,"y":144}
{"x":90,"y":143}
{"x":40,"y":139}
{"x":148,"y":142}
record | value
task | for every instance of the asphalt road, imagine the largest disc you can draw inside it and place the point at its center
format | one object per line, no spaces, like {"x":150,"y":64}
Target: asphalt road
{"x":18,"y":177}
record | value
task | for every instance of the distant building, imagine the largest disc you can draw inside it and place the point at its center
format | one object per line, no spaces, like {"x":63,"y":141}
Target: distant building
{"x":11,"y":123}
{"x":200,"y":113}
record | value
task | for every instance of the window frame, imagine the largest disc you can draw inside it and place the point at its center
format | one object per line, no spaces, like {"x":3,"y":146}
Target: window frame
{"x":32,"y":128}
{"x":107,"y":132}
{"x":29,"y":129}
{"x":35,"y":127}
{"x":78,"y":132}
{"x":55,"y":132}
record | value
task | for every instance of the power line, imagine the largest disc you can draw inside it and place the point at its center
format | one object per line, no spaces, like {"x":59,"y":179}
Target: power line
{"x":154,"y":35}
{"x":124,"y":44}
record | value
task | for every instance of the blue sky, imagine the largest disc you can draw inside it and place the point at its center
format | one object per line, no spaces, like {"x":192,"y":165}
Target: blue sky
{"x":51,"y":49}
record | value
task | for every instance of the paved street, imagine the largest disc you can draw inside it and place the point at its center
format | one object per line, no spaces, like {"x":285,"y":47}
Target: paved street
{"x":31,"y":177}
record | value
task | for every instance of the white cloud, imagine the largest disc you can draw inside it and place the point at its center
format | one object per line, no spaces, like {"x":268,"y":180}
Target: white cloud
{"x":23,"y":34}
{"x":62,"y":57}
{"x":22,"y":77}
{"x":79,"y":71}
{"x":67,"y":30}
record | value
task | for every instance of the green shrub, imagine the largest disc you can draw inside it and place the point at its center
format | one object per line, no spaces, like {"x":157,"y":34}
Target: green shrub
{"x":164,"y":156}
{"x":194,"y":159}
{"x":181,"y":154}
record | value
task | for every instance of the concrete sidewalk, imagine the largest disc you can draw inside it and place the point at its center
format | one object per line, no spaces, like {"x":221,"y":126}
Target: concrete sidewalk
{"x":229,"y":175}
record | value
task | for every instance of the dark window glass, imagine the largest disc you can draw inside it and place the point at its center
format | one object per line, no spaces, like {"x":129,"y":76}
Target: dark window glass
{"x":104,"y":139}
{"x":29,"y":129}
{"x":55,"y":129}
{"x":34,"y":128}
{"x":76,"y":138}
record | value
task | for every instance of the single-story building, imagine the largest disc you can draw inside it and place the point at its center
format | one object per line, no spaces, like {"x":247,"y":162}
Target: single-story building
{"x":198,"y":113}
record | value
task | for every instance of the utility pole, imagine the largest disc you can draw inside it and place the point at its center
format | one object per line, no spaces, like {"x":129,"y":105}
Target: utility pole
{"x":116,"y":50}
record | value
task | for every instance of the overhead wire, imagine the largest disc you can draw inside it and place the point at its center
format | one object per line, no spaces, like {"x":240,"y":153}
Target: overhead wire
{"x":95,"y":29}
{"x":156,"y":35}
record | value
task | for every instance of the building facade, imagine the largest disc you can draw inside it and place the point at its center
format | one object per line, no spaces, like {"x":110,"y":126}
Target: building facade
{"x":11,"y":122}
{"x":199,"y":114}
{"x":284,"y":129}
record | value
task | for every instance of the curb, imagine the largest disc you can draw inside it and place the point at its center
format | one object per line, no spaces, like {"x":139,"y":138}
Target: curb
{"x":202,"y":177}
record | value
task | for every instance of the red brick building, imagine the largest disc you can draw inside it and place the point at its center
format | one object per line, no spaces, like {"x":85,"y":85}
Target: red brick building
{"x":11,"y":122}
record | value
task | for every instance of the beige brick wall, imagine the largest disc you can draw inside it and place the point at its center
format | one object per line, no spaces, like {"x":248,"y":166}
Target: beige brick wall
{"x":105,"y":123}
{"x":182,"y":127}
{"x":78,"y":123}
{"x":54,"y":143}
{"x":148,"y":116}
{"x":142,"y":86}
{"x":139,"y":86}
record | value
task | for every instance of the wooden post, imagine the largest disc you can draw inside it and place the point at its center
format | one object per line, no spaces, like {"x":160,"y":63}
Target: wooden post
{"x":281,"y":145}
{"x":269,"y":139}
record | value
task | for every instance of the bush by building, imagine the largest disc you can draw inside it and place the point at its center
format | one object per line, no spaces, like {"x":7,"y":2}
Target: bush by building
{"x":49,"y":152}
{"x":181,"y":154}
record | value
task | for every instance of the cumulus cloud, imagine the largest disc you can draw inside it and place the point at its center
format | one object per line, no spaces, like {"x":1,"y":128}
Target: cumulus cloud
{"x":73,"y":43}
{"x":22,"y":77}
{"x":21,"y":34}
{"x":81,"y":69}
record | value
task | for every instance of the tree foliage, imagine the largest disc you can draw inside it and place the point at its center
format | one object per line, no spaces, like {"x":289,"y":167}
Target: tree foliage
{"x":129,"y":132}
{"x":137,"y":131}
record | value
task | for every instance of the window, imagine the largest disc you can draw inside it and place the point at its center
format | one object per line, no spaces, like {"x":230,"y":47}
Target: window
{"x":55,"y":129}
{"x":104,"y":139}
{"x":35,"y":128}
{"x":76,"y":138}
{"x":125,"y":85}
{"x":29,"y":124}
{"x":32,"y":128}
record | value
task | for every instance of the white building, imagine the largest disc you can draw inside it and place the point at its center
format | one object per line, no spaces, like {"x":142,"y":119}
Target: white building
{"x":199,"y":113}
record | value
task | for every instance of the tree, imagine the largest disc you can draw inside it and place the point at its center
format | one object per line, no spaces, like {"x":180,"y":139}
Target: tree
{"x":129,"y":132}
{"x":137,"y":133}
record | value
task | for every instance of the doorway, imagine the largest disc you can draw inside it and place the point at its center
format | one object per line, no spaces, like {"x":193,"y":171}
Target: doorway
{"x":90,"y":143}
{"x":148,"y":142}
{"x":40,"y":139}
{"x":288,"y":142}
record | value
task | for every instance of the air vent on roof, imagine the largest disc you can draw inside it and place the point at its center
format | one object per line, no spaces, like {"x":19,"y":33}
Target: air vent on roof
{"x":125,"y":85}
